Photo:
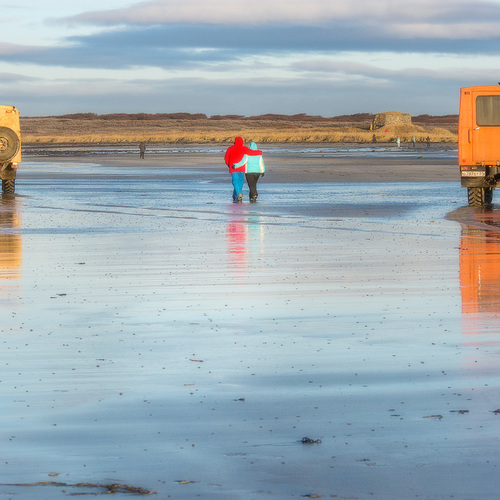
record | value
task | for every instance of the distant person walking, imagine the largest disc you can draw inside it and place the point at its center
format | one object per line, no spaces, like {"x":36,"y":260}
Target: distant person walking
{"x":235,"y":154}
{"x":142,"y":150}
{"x":254,"y":169}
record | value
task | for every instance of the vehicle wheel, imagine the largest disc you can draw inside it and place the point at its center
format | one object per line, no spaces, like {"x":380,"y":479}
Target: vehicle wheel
{"x":479,"y":196}
{"x":8,"y":186}
{"x":9,"y":144}
{"x":488,"y":196}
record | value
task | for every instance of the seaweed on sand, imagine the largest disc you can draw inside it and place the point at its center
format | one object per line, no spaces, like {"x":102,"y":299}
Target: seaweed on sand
{"x":107,"y":489}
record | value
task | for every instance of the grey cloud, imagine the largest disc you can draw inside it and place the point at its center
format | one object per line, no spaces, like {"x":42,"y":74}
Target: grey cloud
{"x":175,"y":46}
{"x":326,"y":67}
{"x":16,"y":77}
{"x":17,"y":49}
{"x":231,"y":12}
{"x":209,"y":97}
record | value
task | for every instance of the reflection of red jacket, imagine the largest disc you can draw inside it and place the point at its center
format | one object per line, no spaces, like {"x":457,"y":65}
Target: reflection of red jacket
{"x":235,"y":153}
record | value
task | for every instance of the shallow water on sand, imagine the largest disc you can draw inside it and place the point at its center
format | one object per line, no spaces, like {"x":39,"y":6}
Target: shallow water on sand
{"x":362,"y":150}
{"x":156,"y":335}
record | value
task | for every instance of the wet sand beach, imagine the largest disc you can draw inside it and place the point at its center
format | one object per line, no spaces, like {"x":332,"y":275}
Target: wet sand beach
{"x":156,"y":335}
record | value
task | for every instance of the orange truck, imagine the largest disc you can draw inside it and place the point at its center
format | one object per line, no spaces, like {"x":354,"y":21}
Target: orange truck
{"x":10,"y":147}
{"x":479,"y":142}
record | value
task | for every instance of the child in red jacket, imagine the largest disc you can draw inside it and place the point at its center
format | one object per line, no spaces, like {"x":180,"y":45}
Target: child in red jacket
{"x":234,"y":154}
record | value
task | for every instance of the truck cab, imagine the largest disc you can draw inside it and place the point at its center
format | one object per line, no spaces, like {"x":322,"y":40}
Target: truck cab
{"x":479,"y":142}
{"x":10,"y":147}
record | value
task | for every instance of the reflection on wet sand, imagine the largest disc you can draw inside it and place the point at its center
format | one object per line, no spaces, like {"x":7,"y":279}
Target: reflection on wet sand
{"x":480,"y":262}
{"x":237,"y":235}
{"x":480,"y":270}
{"x":10,"y":243}
{"x":245,"y":239}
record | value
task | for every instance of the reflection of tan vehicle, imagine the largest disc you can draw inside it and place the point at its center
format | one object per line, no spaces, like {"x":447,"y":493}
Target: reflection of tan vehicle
{"x":10,"y":147}
{"x":10,"y":242}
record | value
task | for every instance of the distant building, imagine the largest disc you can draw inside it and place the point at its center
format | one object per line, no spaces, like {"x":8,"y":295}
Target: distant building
{"x":391,"y":118}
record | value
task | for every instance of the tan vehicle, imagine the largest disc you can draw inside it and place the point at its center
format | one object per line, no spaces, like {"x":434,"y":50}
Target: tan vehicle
{"x":479,"y":142}
{"x":10,"y":147}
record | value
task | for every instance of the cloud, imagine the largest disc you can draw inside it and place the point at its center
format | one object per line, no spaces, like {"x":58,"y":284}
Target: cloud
{"x":12,"y":49}
{"x":238,"y":95}
{"x":325,"y":68}
{"x":461,"y":31}
{"x":187,"y":46}
{"x":286,"y":56}
{"x":293,"y":12}
{"x":9,"y":78}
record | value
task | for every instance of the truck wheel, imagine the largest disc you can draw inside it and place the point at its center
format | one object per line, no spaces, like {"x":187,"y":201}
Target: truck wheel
{"x":9,"y":144}
{"x":8,"y":186}
{"x":479,"y":196}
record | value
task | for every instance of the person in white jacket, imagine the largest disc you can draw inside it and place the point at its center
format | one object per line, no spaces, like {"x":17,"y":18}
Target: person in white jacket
{"x":254,"y":169}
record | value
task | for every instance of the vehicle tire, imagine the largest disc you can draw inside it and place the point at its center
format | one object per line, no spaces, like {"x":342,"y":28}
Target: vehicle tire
{"x":9,"y":144}
{"x":8,"y":186}
{"x":488,"y":196}
{"x":479,"y":196}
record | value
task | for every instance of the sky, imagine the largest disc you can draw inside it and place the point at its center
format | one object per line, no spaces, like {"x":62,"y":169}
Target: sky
{"x":319,"y":57}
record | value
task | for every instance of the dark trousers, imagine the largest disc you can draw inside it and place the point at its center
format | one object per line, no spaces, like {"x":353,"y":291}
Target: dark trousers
{"x":252,"y":184}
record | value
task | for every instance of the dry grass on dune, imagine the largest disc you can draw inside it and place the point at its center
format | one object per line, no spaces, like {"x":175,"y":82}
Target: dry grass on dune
{"x":267,"y":129}
{"x":407,"y":132}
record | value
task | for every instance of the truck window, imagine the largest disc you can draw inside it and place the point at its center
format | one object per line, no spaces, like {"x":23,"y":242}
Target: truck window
{"x":488,"y":110}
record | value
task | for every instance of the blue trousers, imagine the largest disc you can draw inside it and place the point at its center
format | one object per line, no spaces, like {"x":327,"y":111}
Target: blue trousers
{"x":238,"y":179}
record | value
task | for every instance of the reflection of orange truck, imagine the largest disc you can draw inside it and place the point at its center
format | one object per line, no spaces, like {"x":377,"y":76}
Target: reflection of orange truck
{"x":480,"y":270}
{"x":10,"y":147}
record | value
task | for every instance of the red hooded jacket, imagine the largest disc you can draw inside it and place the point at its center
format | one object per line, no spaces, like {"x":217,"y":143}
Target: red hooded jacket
{"x":235,"y":153}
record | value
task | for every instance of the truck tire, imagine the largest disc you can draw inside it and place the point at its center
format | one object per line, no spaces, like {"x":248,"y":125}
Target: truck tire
{"x":8,"y":186}
{"x":9,"y":144}
{"x":479,"y":197}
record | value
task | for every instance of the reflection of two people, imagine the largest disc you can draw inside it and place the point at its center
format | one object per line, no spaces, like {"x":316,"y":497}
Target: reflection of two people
{"x":245,"y":238}
{"x":10,"y":243}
